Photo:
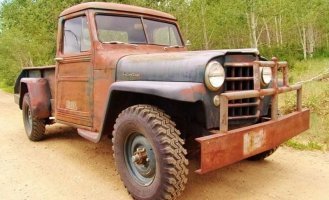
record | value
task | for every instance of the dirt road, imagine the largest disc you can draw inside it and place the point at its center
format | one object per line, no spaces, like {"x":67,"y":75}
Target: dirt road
{"x":66,"y":167}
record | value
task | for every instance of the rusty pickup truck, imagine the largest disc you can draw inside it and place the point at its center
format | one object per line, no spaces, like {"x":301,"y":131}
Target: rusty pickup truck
{"x":124,"y":71}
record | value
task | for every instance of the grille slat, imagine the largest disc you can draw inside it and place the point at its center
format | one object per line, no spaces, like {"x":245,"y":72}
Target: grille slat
{"x":245,"y":104}
{"x":238,"y":64}
{"x":239,"y":76}
{"x":243,"y":117}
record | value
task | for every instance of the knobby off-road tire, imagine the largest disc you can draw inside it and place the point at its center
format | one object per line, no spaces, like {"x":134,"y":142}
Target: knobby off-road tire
{"x":34,"y":128}
{"x":149,"y":154}
{"x":262,"y":155}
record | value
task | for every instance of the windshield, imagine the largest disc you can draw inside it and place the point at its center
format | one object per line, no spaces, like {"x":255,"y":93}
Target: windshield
{"x":131,"y":30}
{"x":162,"y":33}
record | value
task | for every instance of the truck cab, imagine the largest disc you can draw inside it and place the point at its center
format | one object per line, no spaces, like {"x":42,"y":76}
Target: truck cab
{"x":125,"y":71}
{"x":92,"y":38}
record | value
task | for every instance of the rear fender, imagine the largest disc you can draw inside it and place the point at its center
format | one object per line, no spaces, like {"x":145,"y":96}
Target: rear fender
{"x":39,"y":92}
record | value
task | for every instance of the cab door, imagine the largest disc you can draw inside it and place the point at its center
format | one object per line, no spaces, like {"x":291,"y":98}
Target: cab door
{"x":74,"y":94}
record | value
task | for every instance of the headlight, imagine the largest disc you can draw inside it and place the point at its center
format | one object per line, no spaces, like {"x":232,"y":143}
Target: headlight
{"x":266,"y":73}
{"x":214,"y":75}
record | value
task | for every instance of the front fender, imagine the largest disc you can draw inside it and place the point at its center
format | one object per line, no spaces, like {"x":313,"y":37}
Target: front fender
{"x":39,"y":92}
{"x":180,"y":91}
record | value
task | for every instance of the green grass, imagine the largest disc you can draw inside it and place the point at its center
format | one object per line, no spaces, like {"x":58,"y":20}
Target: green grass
{"x":304,"y":70}
{"x":6,"y":88}
{"x":301,"y":146}
{"x":316,"y":98}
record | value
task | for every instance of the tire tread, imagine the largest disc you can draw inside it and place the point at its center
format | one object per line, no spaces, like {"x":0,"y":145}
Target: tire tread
{"x":171,"y":146}
{"x":38,"y":126}
{"x":262,"y":156}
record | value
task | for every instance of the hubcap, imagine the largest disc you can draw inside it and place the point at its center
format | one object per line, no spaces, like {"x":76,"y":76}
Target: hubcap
{"x":28,"y":119}
{"x":140,"y":156}
{"x":140,"y":159}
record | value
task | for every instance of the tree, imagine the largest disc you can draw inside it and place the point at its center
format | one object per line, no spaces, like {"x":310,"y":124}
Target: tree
{"x":288,"y":29}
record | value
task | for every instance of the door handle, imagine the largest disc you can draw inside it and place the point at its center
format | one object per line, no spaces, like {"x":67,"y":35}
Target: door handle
{"x":59,"y":59}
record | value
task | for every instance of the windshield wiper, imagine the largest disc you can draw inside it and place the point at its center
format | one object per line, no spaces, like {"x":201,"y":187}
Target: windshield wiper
{"x":172,"y":46}
{"x":119,"y":42}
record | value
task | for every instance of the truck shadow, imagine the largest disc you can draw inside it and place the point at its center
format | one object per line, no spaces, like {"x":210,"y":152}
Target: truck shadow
{"x":243,"y":180}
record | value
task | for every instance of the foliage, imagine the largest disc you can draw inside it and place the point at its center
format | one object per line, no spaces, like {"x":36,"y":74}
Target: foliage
{"x":6,"y":88}
{"x":287,"y":29}
{"x":316,"y":98}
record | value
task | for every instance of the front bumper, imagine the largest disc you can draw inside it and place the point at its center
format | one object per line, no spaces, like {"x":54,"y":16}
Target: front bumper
{"x":226,"y":146}
{"x":221,"y":149}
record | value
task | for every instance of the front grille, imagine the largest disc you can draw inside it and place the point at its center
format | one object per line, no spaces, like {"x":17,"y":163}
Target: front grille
{"x":240,"y":76}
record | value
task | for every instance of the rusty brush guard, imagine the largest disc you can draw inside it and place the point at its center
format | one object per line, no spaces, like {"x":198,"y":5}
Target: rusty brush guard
{"x":226,"y":146}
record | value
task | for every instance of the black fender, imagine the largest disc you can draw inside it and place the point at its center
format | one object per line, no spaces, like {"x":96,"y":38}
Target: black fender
{"x":39,"y":92}
{"x":179,"y":91}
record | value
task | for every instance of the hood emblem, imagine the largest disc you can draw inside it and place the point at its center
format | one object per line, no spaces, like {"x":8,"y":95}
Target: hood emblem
{"x":131,"y":76}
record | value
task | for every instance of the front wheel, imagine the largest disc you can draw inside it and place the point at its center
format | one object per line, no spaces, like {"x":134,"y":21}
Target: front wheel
{"x":263,"y":155}
{"x":149,"y":153}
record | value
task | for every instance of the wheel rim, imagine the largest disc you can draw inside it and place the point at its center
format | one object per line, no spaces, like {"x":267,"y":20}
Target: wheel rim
{"x":28,"y":119}
{"x":140,"y":159}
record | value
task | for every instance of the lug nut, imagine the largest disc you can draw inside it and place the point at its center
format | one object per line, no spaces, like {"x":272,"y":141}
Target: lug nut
{"x":135,"y":158}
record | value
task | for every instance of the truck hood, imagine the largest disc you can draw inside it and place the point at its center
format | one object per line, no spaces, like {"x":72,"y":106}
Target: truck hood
{"x":186,"y":66}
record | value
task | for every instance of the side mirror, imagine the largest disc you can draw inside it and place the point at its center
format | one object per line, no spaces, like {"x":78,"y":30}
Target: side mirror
{"x":188,"y":43}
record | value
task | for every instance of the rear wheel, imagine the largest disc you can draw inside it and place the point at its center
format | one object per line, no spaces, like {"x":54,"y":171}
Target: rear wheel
{"x":149,"y":153}
{"x":34,"y":128}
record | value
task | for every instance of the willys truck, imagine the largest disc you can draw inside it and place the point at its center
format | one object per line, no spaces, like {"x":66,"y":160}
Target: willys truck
{"x":125,"y":71}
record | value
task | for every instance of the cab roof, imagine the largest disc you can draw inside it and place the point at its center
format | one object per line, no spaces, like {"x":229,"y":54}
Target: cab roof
{"x":116,"y":7}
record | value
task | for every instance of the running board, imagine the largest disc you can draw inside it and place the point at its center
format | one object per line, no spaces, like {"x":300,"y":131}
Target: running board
{"x":89,"y":135}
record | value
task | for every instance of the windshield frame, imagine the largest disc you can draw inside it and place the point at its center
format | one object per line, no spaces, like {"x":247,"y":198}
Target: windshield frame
{"x":141,"y":17}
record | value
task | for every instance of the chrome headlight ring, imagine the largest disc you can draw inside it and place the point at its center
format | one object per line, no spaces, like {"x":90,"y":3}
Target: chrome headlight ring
{"x":266,"y":75}
{"x":214,"y":76}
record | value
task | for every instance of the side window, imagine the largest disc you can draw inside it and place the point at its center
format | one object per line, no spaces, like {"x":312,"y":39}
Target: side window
{"x":76,"y":35}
